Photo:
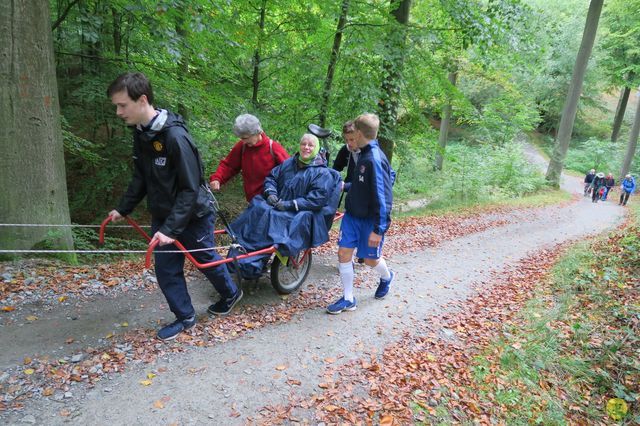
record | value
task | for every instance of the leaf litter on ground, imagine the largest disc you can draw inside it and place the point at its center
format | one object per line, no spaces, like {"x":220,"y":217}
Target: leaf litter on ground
{"x":30,"y":280}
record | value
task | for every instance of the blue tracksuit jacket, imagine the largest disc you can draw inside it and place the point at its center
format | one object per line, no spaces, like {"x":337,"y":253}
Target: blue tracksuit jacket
{"x":370,"y":195}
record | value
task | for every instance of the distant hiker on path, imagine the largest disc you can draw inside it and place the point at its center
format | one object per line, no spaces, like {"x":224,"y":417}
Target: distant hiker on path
{"x":609,"y":183}
{"x":626,"y":189}
{"x":597,"y":184}
{"x":588,"y":181}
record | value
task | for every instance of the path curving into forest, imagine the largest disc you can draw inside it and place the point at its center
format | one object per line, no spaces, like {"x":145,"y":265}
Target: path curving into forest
{"x":231,"y":382}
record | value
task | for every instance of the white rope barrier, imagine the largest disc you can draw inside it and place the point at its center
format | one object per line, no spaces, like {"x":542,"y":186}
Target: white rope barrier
{"x":117,"y":251}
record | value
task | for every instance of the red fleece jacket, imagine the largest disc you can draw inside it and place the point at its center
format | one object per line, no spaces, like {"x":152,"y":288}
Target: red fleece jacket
{"x":255,"y":163}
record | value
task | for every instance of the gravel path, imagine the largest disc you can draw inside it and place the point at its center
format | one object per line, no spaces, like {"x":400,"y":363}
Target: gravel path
{"x":231,"y":382}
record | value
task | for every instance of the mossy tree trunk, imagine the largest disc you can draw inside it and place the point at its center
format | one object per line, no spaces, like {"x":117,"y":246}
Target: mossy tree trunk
{"x":452,"y":76}
{"x":392,"y":81}
{"x":633,"y":142}
{"x":620,"y":110}
{"x":33,"y":177}
{"x":565,"y":128}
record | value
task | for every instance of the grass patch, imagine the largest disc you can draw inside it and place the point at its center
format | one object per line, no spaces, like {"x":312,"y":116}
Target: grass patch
{"x":543,"y":198}
{"x":574,"y":353}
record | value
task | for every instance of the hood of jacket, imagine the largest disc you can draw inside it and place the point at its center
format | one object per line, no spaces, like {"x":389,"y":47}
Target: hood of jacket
{"x":319,"y":161}
{"x":160,"y":123}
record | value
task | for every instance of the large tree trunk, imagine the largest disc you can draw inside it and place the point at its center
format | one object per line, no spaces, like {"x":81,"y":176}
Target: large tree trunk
{"x":183,"y":63}
{"x":256,"y":56}
{"x":117,"y":31}
{"x":633,"y":142}
{"x":571,"y":102}
{"x":620,"y":110}
{"x":444,"y":124}
{"x":33,"y":178}
{"x":333,"y":60}
{"x":393,"y":64}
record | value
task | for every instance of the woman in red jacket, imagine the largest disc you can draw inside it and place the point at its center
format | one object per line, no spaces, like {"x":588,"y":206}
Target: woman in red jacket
{"x":255,"y":154}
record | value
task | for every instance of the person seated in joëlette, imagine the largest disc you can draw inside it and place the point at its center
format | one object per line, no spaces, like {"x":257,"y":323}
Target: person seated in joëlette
{"x":297,"y":208}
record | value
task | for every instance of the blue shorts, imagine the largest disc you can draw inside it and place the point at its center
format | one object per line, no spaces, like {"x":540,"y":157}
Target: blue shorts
{"x":354,"y":233}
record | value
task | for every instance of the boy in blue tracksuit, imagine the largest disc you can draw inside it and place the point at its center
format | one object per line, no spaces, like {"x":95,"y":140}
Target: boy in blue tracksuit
{"x":367,"y":216}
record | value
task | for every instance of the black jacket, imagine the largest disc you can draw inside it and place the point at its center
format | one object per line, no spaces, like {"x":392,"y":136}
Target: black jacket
{"x":598,"y":181}
{"x":168,"y":171}
{"x":345,"y":158}
{"x":589,"y":177}
{"x":609,"y":182}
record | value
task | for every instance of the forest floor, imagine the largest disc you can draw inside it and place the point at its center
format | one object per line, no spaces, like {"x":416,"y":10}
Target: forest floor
{"x":79,"y":346}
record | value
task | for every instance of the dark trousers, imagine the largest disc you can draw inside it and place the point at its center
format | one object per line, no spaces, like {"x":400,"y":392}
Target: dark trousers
{"x":624,"y":197}
{"x":170,"y":266}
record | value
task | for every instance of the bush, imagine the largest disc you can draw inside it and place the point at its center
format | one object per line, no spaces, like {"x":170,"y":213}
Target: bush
{"x":472,"y":173}
{"x":485,"y":172}
{"x":593,"y":154}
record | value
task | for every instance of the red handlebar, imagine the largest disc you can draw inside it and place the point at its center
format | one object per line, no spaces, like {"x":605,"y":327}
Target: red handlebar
{"x":132,"y":222}
{"x":152,"y":246}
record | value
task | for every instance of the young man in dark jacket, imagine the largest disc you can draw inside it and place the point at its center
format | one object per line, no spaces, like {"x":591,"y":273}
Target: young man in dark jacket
{"x":609,"y":183}
{"x":368,"y":215}
{"x":348,"y":154}
{"x":597,"y":184}
{"x":168,"y":171}
{"x":588,"y":180}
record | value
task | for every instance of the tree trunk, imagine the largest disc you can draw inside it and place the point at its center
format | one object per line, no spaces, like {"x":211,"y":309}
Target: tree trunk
{"x":620,"y":110}
{"x":183,"y":62}
{"x":633,"y":142}
{"x":575,"y":88}
{"x":388,"y":105}
{"x":256,"y":56}
{"x":33,"y":178}
{"x":444,"y":124}
{"x":117,"y":31}
{"x":333,"y":60}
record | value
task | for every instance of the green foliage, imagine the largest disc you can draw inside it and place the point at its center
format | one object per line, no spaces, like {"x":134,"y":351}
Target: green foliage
{"x":475,"y":174}
{"x":593,"y":154}
{"x":621,"y":62}
{"x":576,"y":342}
{"x":87,"y":239}
{"x":559,"y":27}
{"x":514,"y":62}
{"x":472,"y":174}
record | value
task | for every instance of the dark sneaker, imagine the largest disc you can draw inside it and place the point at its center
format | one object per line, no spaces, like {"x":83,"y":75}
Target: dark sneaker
{"x":383,"y":287}
{"x":342,"y":305}
{"x":170,"y":331}
{"x":224,"y":306}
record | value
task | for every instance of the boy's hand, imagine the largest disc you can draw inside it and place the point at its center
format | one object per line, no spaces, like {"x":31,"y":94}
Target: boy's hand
{"x":374,"y":239}
{"x":162,"y":239}
{"x":115,"y":215}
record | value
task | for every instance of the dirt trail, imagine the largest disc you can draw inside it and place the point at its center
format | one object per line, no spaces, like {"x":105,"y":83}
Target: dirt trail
{"x":231,"y":382}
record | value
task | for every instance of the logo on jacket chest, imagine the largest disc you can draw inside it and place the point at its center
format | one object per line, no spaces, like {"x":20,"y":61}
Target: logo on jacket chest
{"x":361,"y":175}
{"x":157,"y":145}
{"x":160,"y":161}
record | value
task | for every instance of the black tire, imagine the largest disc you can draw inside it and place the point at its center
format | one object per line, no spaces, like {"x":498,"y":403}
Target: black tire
{"x":287,"y":278}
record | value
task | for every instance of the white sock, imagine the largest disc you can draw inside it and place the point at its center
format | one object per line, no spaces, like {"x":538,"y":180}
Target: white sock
{"x":346,"y":276}
{"x":382,"y":269}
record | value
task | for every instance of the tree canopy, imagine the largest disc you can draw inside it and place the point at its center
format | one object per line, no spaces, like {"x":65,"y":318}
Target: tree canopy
{"x":278,"y":59}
